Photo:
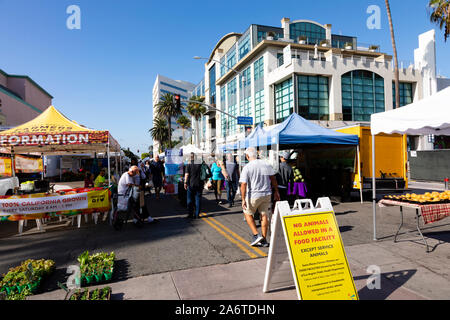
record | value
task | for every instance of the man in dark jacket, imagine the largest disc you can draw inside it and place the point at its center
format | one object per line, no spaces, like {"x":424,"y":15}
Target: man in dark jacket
{"x":285,"y":176}
{"x":194,"y":186}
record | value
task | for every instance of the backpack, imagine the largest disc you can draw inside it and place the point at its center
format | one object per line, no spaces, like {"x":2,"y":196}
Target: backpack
{"x":205,"y":172}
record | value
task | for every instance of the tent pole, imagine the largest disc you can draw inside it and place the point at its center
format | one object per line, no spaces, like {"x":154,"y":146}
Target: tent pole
{"x":360,"y":174}
{"x":13,"y":166}
{"x":42,"y":173}
{"x":374,"y":191}
{"x":109,"y":164}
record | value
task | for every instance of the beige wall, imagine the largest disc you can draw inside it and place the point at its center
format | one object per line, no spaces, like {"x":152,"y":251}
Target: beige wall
{"x":36,"y":97}
{"x":16,"y":112}
{"x":3,"y":80}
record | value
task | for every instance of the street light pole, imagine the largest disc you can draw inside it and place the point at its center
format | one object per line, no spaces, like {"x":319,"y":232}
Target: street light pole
{"x":243,"y":81}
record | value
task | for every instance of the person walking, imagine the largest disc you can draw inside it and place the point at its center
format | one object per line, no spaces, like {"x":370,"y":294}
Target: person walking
{"x":285,"y":176}
{"x":127,"y":194}
{"x":157,"y":170}
{"x":193,"y":184}
{"x":257,"y":180}
{"x":217,"y":180}
{"x":231,"y":173}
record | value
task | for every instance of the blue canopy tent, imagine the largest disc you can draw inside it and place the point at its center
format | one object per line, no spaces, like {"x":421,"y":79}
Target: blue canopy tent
{"x":253,"y":138}
{"x":229,"y":147}
{"x":296,"y":130}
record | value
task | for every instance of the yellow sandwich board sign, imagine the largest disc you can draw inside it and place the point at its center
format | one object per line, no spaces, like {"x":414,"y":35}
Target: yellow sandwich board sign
{"x":313,"y":248}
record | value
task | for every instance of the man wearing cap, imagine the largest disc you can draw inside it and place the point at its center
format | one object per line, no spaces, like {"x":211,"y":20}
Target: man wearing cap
{"x":285,"y":176}
{"x":257,"y":180}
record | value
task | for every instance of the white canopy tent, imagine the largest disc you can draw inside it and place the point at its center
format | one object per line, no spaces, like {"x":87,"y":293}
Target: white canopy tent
{"x":430,"y":116}
{"x":190,"y":148}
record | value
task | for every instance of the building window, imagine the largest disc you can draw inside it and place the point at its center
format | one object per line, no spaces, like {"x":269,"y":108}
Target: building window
{"x":314,"y":34}
{"x":232,"y":102}
{"x":245,"y":93}
{"x":244,"y":46}
{"x":284,"y":102}
{"x":362,"y":95}
{"x":262,"y":35}
{"x":258,"y":70}
{"x":313,"y":97}
{"x":222,"y":66}
{"x":231,"y":58}
{"x":212,"y":85}
{"x":259,"y":107}
{"x":406,"y":93}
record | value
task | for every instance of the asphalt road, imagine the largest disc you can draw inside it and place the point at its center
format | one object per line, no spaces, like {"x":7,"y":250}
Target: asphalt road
{"x":177,"y":243}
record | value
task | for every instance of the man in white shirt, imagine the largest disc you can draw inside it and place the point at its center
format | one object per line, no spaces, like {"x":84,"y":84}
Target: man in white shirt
{"x":127,"y":180}
{"x":257,"y":180}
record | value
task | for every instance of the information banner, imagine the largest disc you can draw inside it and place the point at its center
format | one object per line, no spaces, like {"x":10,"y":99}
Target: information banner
{"x":318,"y":257}
{"x":5,"y":167}
{"x":40,"y":205}
{"x":25,"y":164}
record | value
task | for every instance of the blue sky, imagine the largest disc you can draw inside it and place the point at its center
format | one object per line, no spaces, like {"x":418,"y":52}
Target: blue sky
{"x":102,"y":75}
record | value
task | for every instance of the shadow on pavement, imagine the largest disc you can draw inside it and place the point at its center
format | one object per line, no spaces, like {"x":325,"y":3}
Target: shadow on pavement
{"x":388,"y":283}
{"x":345,"y":228}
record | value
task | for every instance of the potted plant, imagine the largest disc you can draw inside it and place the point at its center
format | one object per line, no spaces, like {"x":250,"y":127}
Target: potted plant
{"x":270,"y":35}
{"x":105,"y":293}
{"x":373,"y":48}
{"x":324,"y":43}
{"x":85,"y":295}
{"x":94,"y":295}
{"x":302,"y":40}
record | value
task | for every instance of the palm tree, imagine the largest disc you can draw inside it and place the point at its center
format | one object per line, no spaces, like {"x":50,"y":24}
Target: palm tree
{"x":394,"y":47}
{"x":196,"y":110}
{"x":184,"y":123}
{"x":160,"y":131}
{"x":167,"y":108}
{"x":441,"y":15}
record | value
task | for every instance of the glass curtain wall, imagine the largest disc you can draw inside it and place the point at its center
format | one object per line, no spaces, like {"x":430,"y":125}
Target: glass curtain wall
{"x":362,"y":95}
{"x":284,"y":100}
{"x":406,"y":93}
{"x":212,"y":85}
{"x":232,"y":106}
{"x":223,"y":92}
{"x":314,"y":33}
{"x":258,"y":70}
{"x":245,"y":95}
{"x":313,"y":97}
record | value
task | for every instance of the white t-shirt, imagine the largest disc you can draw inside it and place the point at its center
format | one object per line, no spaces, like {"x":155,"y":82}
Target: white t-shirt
{"x":125,"y":179}
{"x":256,"y":174}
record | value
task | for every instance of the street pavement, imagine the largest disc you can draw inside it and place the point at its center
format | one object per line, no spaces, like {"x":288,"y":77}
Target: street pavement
{"x":209,"y":258}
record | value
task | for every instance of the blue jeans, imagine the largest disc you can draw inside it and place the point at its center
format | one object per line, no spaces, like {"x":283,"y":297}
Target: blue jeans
{"x":194,"y":199}
{"x":231,"y":190}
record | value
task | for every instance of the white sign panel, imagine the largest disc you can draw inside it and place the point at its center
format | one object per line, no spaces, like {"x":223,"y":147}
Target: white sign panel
{"x":45,"y":204}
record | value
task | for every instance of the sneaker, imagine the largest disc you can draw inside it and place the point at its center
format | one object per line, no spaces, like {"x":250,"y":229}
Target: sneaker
{"x":264,"y":243}
{"x":256,"y":240}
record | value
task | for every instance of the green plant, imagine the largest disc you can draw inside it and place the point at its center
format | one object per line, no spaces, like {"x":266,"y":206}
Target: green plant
{"x":440,"y":14}
{"x":96,"y":265}
{"x":85,"y":295}
{"x":95,"y":295}
{"x":24,"y":279}
{"x":105,"y":293}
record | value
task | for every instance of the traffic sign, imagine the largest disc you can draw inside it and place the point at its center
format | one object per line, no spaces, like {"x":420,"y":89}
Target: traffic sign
{"x":245,"y":121}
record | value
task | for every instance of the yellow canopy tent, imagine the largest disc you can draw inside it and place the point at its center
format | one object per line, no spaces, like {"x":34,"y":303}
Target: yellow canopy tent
{"x":51,"y":133}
